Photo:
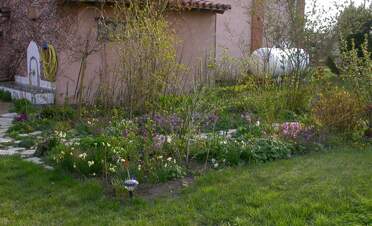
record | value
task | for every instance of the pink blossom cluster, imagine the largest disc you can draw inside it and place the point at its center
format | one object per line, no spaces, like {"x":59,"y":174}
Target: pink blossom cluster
{"x":291,"y":129}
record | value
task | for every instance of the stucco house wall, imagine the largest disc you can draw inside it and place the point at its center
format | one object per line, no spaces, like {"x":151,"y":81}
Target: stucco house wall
{"x":66,"y":27}
{"x":195,"y":32}
{"x":240,"y":30}
{"x":234,"y":29}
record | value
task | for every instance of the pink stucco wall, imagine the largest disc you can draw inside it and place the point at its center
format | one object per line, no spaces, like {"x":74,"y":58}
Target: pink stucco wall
{"x":234,"y":28}
{"x":240,"y":30}
{"x":196,"y":38}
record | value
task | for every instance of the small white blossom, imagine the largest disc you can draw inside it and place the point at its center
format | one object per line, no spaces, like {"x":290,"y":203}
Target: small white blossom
{"x":112,"y":169}
{"x":83,"y":155}
{"x":90,"y":163}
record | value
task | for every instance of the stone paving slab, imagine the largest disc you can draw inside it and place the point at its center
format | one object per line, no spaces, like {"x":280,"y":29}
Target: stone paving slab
{"x":6,"y":120}
{"x":16,"y":149}
{"x":23,"y":135}
{"x":9,"y":115}
{"x":5,"y":140}
{"x":28,"y":153}
{"x":7,"y":152}
{"x":36,"y":133}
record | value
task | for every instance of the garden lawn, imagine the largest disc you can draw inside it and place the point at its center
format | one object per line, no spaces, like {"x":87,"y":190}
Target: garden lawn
{"x":332,"y":188}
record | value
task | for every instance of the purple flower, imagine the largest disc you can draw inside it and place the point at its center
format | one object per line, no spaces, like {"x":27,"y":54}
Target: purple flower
{"x":212,"y":119}
{"x":160,"y":120}
{"x":159,"y":141}
{"x":21,"y":117}
{"x":291,"y":129}
{"x":175,"y":122}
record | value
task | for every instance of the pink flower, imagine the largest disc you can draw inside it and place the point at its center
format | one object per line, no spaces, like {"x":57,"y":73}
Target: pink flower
{"x":291,"y":129}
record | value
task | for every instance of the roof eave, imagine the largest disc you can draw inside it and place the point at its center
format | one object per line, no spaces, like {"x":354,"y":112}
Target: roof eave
{"x":215,"y":8}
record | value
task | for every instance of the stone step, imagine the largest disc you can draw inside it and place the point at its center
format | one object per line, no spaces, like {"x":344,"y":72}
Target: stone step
{"x":36,"y":95}
{"x":16,"y":149}
{"x":9,"y":115}
{"x":7,"y":152}
{"x":5,"y":140}
{"x":38,"y":161}
{"x":28,"y":153}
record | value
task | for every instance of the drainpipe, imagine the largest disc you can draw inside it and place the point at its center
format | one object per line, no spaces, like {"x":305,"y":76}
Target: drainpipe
{"x":257,"y":24}
{"x":300,"y":7}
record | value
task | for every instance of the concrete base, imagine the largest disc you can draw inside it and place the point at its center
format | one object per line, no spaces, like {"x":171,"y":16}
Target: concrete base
{"x":34,"y":94}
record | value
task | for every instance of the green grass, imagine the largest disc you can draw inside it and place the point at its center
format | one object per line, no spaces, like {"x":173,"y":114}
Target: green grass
{"x":332,"y":188}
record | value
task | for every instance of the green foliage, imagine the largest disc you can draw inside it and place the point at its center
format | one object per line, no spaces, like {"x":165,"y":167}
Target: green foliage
{"x":356,"y":71}
{"x":165,"y":169}
{"x":31,"y":126}
{"x":172,"y":103}
{"x":27,"y":142}
{"x":5,"y":96}
{"x":245,"y":149}
{"x":339,"y":111}
{"x":114,"y":157}
{"x":58,"y":113}
{"x":23,"y":106}
{"x":83,"y":129}
{"x":264,"y":150}
{"x":44,"y":147}
{"x":21,"y":127}
{"x":92,"y":155}
{"x":289,"y":192}
{"x":352,"y":19}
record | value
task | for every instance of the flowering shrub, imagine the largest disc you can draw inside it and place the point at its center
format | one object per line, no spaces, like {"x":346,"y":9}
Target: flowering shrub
{"x":338,"y":111}
{"x":147,"y":156}
{"x":95,"y":155}
{"x":291,"y":129}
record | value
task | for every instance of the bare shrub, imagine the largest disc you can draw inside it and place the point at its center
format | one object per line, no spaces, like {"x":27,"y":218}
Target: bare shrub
{"x":148,"y":66}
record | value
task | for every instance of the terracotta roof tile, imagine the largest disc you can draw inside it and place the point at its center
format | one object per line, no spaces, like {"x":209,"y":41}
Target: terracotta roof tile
{"x":205,"y":5}
{"x":188,"y":4}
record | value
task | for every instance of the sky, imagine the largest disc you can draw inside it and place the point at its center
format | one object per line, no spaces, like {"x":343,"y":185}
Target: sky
{"x":329,"y":8}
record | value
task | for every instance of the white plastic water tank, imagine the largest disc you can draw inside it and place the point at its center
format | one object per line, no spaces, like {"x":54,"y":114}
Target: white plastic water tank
{"x":277,"y":61}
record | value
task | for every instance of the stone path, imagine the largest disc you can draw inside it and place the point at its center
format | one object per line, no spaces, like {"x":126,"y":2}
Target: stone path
{"x":8,"y":146}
